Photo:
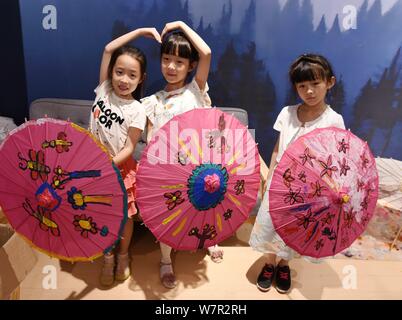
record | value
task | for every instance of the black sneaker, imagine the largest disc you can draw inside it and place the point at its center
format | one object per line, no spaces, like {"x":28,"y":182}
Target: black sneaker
{"x":266,"y":277}
{"x":282,"y":279}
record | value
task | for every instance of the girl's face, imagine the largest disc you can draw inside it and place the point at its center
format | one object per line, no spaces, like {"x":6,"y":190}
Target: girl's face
{"x":175,"y":69}
{"x":126,"y":75}
{"x":313,"y":92}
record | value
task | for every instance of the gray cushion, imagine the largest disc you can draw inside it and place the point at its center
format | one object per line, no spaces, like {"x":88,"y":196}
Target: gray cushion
{"x":75,"y":110}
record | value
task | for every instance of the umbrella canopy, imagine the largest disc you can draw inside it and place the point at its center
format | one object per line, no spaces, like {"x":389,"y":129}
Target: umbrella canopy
{"x":323,"y":192}
{"x":60,"y":190}
{"x":198,"y":179}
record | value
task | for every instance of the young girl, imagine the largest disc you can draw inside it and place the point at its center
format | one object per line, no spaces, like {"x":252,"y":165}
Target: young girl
{"x":312,"y":76}
{"x":181,"y":52}
{"x":117,"y":120}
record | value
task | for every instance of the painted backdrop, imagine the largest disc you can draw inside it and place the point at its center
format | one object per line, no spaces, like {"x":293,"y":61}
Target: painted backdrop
{"x":253,"y":43}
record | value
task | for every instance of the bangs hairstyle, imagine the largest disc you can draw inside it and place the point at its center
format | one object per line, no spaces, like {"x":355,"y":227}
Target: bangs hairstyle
{"x":177,"y":44}
{"x":138,"y":55}
{"x":310,"y":67}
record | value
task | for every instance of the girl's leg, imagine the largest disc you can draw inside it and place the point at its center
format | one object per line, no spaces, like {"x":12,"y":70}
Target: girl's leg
{"x":123,"y":261}
{"x":126,"y":237}
{"x":166,"y":273}
{"x":270,"y":258}
{"x":283,"y":263}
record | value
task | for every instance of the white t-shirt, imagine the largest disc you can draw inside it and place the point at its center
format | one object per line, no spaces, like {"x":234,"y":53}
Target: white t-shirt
{"x":112,"y":116}
{"x":163,"y":106}
{"x":290,"y":127}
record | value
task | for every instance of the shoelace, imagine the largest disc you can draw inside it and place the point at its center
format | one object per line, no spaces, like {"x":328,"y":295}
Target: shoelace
{"x":283,"y":275}
{"x":267,"y":274}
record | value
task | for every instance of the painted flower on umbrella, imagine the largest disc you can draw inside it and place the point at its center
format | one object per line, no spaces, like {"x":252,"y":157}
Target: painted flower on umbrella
{"x":317,"y":188}
{"x":302,"y":176}
{"x":360,"y":185}
{"x":173,"y":199}
{"x":319,"y":244}
{"x":228,"y":214}
{"x":287,"y":177}
{"x":365,"y":161}
{"x":349,"y":218}
{"x":293,"y":197}
{"x":328,"y":167}
{"x":328,"y":219}
{"x":344,"y":167}
{"x":307,"y":157}
{"x":85,"y":225}
{"x":343,"y":146}
{"x":305,"y":219}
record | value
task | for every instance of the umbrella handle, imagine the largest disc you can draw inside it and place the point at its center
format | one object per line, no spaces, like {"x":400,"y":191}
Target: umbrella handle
{"x":396,"y":238}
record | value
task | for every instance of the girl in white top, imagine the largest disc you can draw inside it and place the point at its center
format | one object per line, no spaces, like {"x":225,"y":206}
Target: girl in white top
{"x":182,"y":51}
{"x":117,"y":120}
{"x":312,"y":76}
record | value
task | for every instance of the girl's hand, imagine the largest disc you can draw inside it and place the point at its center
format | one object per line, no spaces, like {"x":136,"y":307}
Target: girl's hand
{"x":172,"y":26}
{"x":151,"y":33}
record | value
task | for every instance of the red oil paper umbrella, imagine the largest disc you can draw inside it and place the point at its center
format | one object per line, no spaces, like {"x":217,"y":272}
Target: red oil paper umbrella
{"x":198,"y":179}
{"x":60,"y":190}
{"x":323,"y":192}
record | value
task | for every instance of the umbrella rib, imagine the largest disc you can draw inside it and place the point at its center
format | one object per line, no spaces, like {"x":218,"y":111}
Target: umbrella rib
{"x":193,"y":217}
{"x":19,"y":185}
{"x":229,"y":223}
{"x":337,"y":229}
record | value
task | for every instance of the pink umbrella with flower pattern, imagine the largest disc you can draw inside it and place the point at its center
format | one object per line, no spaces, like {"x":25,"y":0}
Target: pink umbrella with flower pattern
{"x":323,"y":192}
{"x":60,"y":190}
{"x":198,"y":179}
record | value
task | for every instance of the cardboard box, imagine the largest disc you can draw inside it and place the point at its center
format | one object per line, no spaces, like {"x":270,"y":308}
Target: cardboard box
{"x":17,"y":259}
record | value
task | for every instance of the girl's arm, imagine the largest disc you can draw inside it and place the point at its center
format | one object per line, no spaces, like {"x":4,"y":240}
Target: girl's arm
{"x":134,"y":135}
{"x":150,"y":127}
{"x":271,"y":165}
{"x":121,"y":41}
{"x":204,"y":51}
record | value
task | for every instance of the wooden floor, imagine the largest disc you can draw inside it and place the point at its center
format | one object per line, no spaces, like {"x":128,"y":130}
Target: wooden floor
{"x":200,"y":278}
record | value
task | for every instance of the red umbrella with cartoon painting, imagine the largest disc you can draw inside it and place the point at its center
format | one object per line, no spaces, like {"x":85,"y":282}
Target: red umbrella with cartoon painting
{"x":198,"y":179}
{"x":323,"y":192}
{"x":60,"y":190}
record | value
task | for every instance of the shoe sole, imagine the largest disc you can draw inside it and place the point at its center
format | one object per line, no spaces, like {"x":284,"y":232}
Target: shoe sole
{"x":263,"y":289}
{"x":282,"y":291}
{"x":123,"y":278}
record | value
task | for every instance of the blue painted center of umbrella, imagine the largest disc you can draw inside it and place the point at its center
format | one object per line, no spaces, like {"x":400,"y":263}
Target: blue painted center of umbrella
{"x":202,"y":197}
{"x":47,"y":197}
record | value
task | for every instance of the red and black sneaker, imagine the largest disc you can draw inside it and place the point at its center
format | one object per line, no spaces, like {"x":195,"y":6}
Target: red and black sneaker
{"x":282,"y":279}
{"x":266,"y":277}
